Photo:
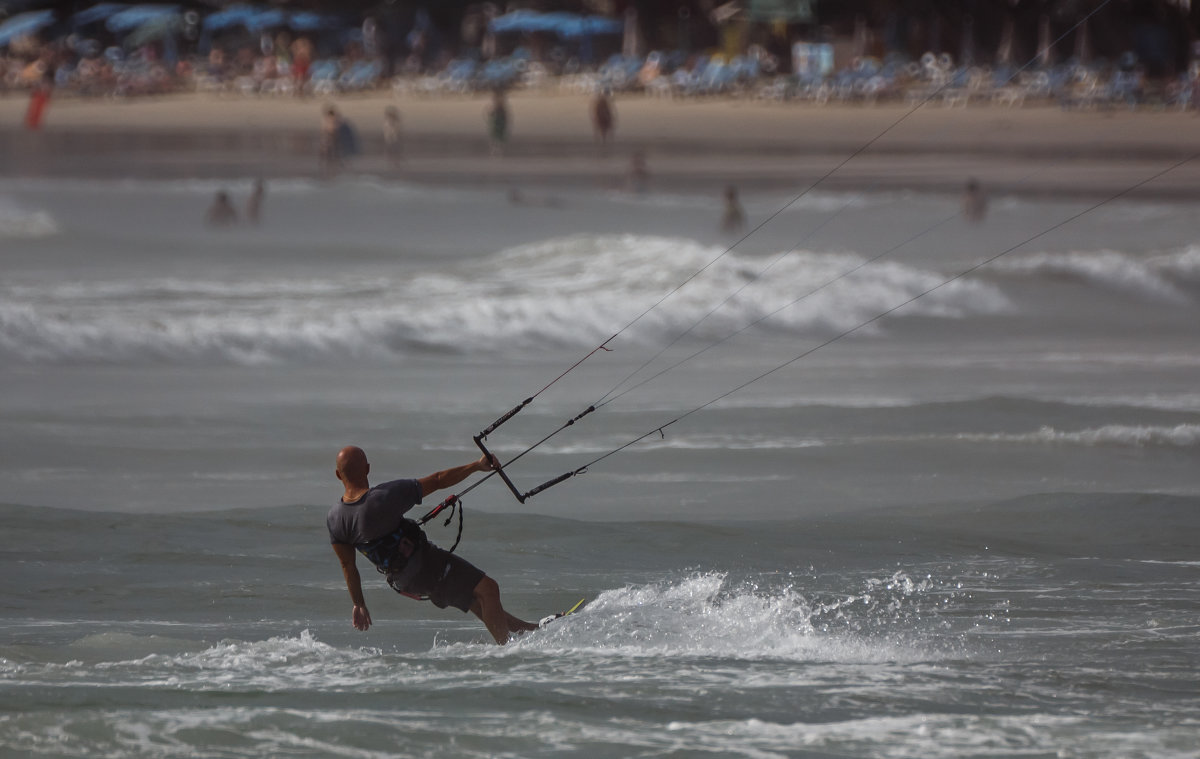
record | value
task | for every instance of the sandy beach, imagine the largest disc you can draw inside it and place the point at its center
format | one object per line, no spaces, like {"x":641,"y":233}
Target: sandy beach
{"x":687,"y":144}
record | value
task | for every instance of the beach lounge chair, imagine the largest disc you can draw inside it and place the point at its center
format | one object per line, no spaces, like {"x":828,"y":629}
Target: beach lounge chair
{"x":322,"y":78}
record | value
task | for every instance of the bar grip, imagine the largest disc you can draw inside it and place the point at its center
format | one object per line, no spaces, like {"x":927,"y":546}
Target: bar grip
{"x":499,"y":469}
{"x":549,"y":484}
{"x":492,"y":427}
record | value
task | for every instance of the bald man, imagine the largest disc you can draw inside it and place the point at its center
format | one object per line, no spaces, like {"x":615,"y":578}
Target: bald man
{"x":371,"y":520}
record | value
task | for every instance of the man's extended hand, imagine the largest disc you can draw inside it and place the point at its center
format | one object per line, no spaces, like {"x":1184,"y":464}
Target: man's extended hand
{"x":451,"y":477}
{"x":361,"y":618}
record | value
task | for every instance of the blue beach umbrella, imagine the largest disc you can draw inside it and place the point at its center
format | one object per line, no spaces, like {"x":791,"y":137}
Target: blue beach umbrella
{"x":132,"y":18}
{"x":158,"y":28}
{"x":565,"y":25}
{"x":586,"y":26}
{"x":96,"y":13}
{"x":23,"y":24}
{"x":306,"y":21}
{"x":554,"y":21}
{"x":234,"y":15}
{"x":266,"y":19}
{"x":520,"y":21}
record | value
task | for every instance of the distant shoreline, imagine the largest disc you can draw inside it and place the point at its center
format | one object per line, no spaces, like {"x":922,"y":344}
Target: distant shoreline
{"x":688,"y":145}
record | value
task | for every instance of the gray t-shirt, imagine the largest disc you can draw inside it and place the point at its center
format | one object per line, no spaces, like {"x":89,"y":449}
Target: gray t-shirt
{"x":376,"y":514}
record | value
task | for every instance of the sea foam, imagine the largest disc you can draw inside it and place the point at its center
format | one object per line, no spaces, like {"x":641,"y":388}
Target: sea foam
{"x":708,"y":615}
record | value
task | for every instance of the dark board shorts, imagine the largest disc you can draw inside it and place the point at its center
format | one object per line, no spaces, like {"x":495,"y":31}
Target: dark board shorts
{"x":444,"y":578}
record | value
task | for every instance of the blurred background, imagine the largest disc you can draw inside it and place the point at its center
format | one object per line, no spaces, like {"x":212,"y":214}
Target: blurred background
{"x":1129,"y":51}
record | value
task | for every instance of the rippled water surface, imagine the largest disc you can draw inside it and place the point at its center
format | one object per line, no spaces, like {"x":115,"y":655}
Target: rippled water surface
{"x":965,"y":530}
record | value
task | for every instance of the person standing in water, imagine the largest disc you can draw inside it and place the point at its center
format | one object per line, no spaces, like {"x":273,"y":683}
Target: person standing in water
{"x":221,"y":213}
{"x":734,"y":218}
{"x":255,"y":201}
{"x":497,"y":122}
{"x":392,"y":134}
{"x":370,"y":520}
{"x":974,"y":202}
{"x":639,"y":174}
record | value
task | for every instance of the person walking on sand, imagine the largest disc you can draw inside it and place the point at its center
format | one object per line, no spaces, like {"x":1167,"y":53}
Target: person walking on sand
{"x":328,"y":155}
{"x":497,"y":122}
{"x":371,"y":520}
{"x":302,"y":53}
{"x":39,"y":98}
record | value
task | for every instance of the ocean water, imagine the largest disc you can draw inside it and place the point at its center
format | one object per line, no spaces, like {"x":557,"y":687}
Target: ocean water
{"x":967,"y":529}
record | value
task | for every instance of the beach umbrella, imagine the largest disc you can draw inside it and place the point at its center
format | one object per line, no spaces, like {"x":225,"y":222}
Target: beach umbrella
{"x":155,"y":29}
{"x":131,"y":18}
{"x":792,"y":11}
{"x":234,"y":15}
{"x":554,"y":22}
{"x":305,"y":21}
{"x":521,"y":21}
{"x":586,"y":26}
{"x":266,"y":19}
{"x":23,"y":24}
{"x":96,"y":13}
{"x":566,"y":25}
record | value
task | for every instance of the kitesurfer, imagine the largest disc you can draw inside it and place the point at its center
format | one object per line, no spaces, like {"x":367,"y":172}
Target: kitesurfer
{"x":371,"y":520}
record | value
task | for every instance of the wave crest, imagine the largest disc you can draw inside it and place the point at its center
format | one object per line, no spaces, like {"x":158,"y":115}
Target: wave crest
{"x":1156,"y":278}
{"x":1137,"y":436}
{"x":563,"y":292}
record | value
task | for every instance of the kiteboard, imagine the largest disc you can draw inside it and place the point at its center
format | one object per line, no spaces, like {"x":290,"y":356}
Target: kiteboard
{"x":547,"y":620}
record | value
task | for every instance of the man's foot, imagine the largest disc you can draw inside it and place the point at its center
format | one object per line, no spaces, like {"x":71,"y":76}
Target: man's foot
{"x":547,"y":620}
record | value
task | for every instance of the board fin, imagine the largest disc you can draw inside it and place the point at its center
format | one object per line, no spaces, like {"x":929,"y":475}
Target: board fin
{"x":547,"y":620}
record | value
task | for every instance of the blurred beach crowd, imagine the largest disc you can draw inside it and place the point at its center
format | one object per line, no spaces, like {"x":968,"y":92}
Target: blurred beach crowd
{"x":129,"y":50}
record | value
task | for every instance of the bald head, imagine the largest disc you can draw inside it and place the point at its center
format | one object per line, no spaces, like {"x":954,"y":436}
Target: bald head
{"x":352,"y":466}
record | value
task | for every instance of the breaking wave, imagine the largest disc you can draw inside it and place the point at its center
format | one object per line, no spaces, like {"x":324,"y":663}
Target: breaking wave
{"x":708,"y":614}
{"x":1161,"y":278}
{"x":20,"y":223}
{"x":1137,"y":436}
{"x":564,"y":292}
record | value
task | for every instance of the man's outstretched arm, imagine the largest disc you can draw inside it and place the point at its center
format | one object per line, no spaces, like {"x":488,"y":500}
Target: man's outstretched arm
{"x":360,"y":617}
{"x":448,"y":478}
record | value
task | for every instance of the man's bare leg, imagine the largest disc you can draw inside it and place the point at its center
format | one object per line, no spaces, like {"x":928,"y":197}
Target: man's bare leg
{"x":516,"y":625}
{"x":488,"y":608}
